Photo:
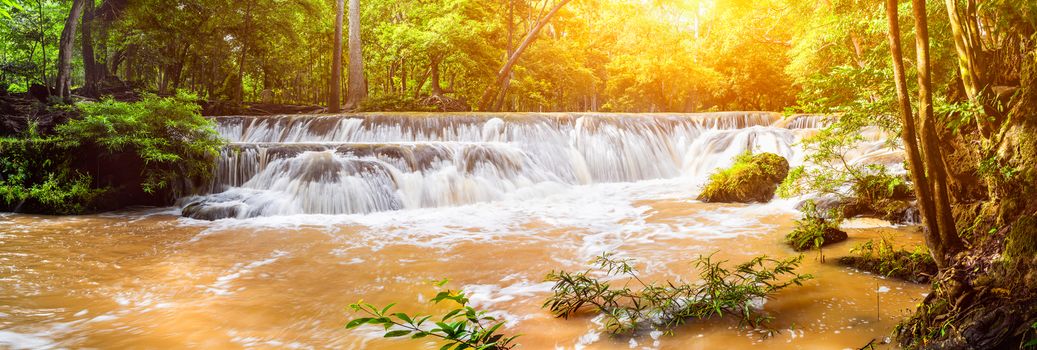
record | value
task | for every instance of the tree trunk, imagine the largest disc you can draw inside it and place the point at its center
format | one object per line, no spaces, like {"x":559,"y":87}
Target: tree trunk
{"x":68,"y":36}
{"x":487,"y":101}
{"x":90,"y":74}
{"x":356,"y":92}
{"x":948,"y":243}
{"x":239,"y":96}
{"x":335,"y":97}
{"x":968,"y":47}
{"x":437,"y":89}
{"x":926,"y":205}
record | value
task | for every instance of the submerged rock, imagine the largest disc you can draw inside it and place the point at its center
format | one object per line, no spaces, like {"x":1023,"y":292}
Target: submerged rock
{"x":753,"y":178}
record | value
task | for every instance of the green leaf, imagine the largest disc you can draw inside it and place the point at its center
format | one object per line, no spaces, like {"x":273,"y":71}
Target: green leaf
{"x":386,"y":309}
{"x":403,"y":317}
{"x":357,"y":322}
{"x":397,"y":333}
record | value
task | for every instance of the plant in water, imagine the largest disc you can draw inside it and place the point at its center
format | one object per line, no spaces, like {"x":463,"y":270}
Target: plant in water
{"x":634,"y":304}
{"x":881,"y":257}
{"x":814,"y":230}
{"x":463,"y":327}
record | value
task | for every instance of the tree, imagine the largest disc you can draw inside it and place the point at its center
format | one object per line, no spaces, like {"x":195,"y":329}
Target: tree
{"x":926,"y":204}
{"x":356,"y":93}
{"x":64,"y":83}
{"x":945,"y":243}
{"x":335,"y":97}
{"x":494,"y":95}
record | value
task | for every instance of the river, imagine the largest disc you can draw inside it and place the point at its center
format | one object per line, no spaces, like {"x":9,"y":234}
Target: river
{"x":317,"y":212}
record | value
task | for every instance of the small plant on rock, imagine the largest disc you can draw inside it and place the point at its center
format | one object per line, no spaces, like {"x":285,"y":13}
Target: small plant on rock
{"x":814,"y":230}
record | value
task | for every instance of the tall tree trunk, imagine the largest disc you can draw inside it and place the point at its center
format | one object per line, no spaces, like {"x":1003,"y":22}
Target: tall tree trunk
{"x":90,"y":74}
{"x":356,"y":92}
{"x":335,"y":97}
{"x":44,"y":79}
{"x":68,"y":36}
{"x":487,"y":102}
{"x":239,"y":95}
{"x":437,"y":88}
{"x":923,"y":192}
{"x":949,"y":243}
{"x":968,"y":46}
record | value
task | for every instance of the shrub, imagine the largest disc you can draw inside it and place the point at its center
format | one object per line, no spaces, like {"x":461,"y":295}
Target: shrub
{"x":35,"y":176}
{"x":460,"y":328}
{"x":168,"y":134}
{"x":167,"y":142}
{"x":915,"y":265}
{"x":814,"y":231}
{"x":750,"y":178}
{"x":878,"y":184}
{"x":668,"y":305}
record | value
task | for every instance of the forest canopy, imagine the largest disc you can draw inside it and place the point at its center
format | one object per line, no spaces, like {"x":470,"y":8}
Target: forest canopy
{"x":592,"y":55}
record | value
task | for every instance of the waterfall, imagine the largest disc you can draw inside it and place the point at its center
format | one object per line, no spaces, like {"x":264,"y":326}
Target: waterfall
{"x":363,"y":163}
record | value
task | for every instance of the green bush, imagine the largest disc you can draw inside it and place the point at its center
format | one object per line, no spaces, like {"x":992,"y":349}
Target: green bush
{"x":35,"y":175}
{"x":168,"y":134}
{"x":668,"y":305}
{"x":878,"y":184}
{"x":170,"y":138}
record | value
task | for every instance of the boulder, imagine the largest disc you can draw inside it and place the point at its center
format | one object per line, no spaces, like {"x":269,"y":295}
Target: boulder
{"x":753,"y":178}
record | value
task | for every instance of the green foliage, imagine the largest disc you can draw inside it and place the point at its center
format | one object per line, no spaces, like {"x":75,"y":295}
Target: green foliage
{"x":881,"y":257}
{"x":813,"y":230}
{"x":35,"y":175}
{"x":666,"y":306}
{"x":463,"y":327}
{"x":877,"y":184}
{"x":168,"y":134}
{"x":173,"y":143}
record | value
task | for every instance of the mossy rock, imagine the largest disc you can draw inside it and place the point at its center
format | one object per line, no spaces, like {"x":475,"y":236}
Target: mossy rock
{"x":753,"y":178}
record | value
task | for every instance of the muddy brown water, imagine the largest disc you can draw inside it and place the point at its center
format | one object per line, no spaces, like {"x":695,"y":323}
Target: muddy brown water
{"x":148,"y":279}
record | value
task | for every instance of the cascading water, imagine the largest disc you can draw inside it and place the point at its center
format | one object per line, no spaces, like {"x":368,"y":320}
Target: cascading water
{"x":347,"y":164}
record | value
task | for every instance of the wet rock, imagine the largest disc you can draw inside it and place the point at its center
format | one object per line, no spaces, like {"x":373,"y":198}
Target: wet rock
{"x":753,"y":178}
{"x":212,"y":208}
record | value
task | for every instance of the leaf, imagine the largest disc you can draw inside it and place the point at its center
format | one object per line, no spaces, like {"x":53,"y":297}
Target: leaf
{"x":386,"y":308}
{"x":397,"y":333}
{"x":357,"y":322}
{"x":403,"y":317}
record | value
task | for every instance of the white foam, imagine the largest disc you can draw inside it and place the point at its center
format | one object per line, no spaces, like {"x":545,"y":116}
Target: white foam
{"x":18,"y":341}
{"x":222,"y":285}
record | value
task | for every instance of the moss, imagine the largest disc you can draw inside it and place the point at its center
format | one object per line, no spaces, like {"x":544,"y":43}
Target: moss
{"x":752,"y":178}
{"x":1021,"y":245}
